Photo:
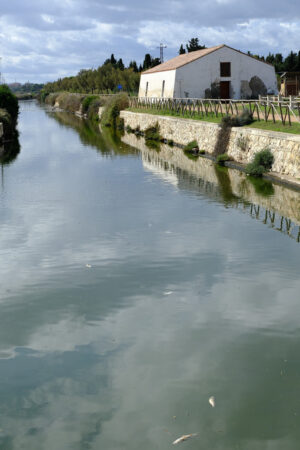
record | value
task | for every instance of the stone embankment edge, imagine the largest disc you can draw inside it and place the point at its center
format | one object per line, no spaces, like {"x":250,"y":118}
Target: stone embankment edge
{"x":241,"y":146}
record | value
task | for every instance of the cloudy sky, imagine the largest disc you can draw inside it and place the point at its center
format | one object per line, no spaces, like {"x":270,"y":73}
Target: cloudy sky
{"x":41,"y":40}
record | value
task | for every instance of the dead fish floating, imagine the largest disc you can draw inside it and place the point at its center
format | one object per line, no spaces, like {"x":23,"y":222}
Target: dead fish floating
{"x":183,"y":438}
{"x":212,"y":401}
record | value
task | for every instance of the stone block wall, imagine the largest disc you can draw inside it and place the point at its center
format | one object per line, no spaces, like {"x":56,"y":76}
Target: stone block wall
{"x":242,"y":145}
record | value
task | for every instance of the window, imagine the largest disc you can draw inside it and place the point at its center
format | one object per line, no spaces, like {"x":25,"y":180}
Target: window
{"x":163,"y":89}
{"x":225,"y":69}
{"x":147,"y":87}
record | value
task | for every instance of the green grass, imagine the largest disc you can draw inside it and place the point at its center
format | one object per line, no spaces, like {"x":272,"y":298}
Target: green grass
{"x":262,"y":125}
{"x":160,"y":112}
{"x":277,"y":126}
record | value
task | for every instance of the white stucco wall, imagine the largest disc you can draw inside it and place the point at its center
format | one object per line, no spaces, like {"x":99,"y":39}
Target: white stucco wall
{"x":197,"y":76}
{"x":194,"y":78}
{"x":155,"y":81}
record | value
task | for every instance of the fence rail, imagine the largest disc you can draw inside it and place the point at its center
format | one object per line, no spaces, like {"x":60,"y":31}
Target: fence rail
{"x":265,"y":108}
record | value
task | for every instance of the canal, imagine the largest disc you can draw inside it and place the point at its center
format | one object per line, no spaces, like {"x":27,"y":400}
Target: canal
{"x":136,"y":284}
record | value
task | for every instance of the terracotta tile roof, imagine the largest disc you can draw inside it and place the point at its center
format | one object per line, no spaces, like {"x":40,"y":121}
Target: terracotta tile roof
{"x":186,"y":58}
{"x":182,"y":60}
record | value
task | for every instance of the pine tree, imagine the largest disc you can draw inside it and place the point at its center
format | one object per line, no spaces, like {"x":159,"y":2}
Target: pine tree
{"x":133,"y":65}
{"x":194,"y":45}
{"x":181,"y":50}
{"x":120,"y":64}
{"x":147,"y":62}
{"x":113,"y":60}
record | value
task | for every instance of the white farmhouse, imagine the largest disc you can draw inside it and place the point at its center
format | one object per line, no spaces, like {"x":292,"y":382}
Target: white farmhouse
{"x":216,"y":72}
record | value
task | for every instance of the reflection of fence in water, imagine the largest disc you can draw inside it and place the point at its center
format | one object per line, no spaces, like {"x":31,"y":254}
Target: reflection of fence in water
{"x":213,"y":191}
{"x":276,"y":221}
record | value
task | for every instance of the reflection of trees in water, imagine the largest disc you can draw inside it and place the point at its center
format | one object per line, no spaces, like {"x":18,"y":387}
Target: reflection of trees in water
{"x":104,"y":140}
{"x":9,"y":151}
{"x":221,"y":191}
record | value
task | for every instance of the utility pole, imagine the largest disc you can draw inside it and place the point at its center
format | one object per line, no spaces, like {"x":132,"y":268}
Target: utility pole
{"x":161,"y":47}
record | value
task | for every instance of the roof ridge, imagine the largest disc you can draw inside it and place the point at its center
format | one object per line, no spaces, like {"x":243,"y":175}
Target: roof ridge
{"x":183,"y":59}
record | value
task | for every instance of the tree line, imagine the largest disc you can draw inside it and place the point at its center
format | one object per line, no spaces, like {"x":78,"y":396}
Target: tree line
{"x":114,"y":76}
{"x":291,"y":63}
{"x":111,"y":77}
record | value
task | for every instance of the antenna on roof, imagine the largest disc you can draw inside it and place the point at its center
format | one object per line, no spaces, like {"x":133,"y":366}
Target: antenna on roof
{"x":161,"y":47}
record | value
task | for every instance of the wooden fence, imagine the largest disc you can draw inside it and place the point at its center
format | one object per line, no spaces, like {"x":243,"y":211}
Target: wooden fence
{"x":264,"y":108}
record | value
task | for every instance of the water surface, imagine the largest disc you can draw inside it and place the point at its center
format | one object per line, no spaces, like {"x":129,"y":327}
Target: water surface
{"x":136,"y":284}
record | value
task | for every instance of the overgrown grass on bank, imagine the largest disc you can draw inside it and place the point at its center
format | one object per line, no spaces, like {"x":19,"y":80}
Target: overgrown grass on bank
{"x":262,"y":125}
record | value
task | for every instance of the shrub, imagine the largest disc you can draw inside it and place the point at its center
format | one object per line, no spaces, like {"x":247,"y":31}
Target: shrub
{"x":9,"y":102}
{"x":69,"y":102}
{"x":264,"y":158}
{"x":262,"y":162}
{"x":191,"y":147}
{"x":221,"y":159}
{"x":51,"y":98}
{"x":6,"y":120}
{"x":201,"y":152}
{"x":112,"y":109}
{"x":242,"y":143}
{"x":87,"y":102}
{"x":170,"y":142}
{"x":245,"y":118}
{"x":42,"y":96}
{"x":152,"y":133}
{"x":255,"y":170}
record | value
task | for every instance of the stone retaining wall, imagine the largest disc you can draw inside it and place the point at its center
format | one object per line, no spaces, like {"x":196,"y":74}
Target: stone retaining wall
{"x":242,"y":145}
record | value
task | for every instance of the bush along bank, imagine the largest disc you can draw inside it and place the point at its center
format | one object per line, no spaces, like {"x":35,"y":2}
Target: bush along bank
{"x":87,"y":106}
{"x":9,"y":111}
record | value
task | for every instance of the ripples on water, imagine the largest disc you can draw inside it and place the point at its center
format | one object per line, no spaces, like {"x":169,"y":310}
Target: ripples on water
{"x":135,"y":285}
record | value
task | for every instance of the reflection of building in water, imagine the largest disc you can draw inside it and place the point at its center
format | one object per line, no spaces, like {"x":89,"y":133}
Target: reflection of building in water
{"x":161,"y":172}
{"x":274,"y":205}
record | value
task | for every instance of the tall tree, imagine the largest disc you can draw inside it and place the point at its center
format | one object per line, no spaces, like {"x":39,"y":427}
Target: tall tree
{"x":147,"y":61}
{"x":120,"y":64}
{"x":194,"y":45}
{"x":181,"y":50}
{"x":113,"y":60}
{"x":133,"y":65}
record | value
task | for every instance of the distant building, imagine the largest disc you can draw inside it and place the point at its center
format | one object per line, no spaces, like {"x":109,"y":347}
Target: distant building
{"x":290,"y":83}
{"x":216,"y":72}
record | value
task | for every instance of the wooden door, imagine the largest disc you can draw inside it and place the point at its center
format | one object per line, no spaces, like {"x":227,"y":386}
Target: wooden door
{"x":291,"y":89}
{"x":224,"y":89}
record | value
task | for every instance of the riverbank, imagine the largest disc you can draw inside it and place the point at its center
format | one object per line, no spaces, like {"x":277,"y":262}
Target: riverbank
{"x":240,"y":143}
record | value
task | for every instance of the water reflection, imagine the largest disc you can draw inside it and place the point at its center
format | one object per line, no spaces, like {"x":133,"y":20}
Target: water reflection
{"x":9,"y":151}
{"x":184,"y":299}
{"x":274,"y":205}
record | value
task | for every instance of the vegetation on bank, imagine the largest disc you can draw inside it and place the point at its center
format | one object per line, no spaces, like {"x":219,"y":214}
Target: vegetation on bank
{"x":29,"y":90}
{"x":262,"y":162}
{"x":110,"y":78}
{"x":9,"y":110}
{"x":88,"y":106}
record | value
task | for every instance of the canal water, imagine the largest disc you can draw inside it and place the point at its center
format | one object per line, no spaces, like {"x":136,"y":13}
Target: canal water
{"x":136,"y":284}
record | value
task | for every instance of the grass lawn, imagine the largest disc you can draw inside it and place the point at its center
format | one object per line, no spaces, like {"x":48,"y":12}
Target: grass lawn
{"x":160,"y":112}
{"x":277,"y":126}
{"x":261,"y":125}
